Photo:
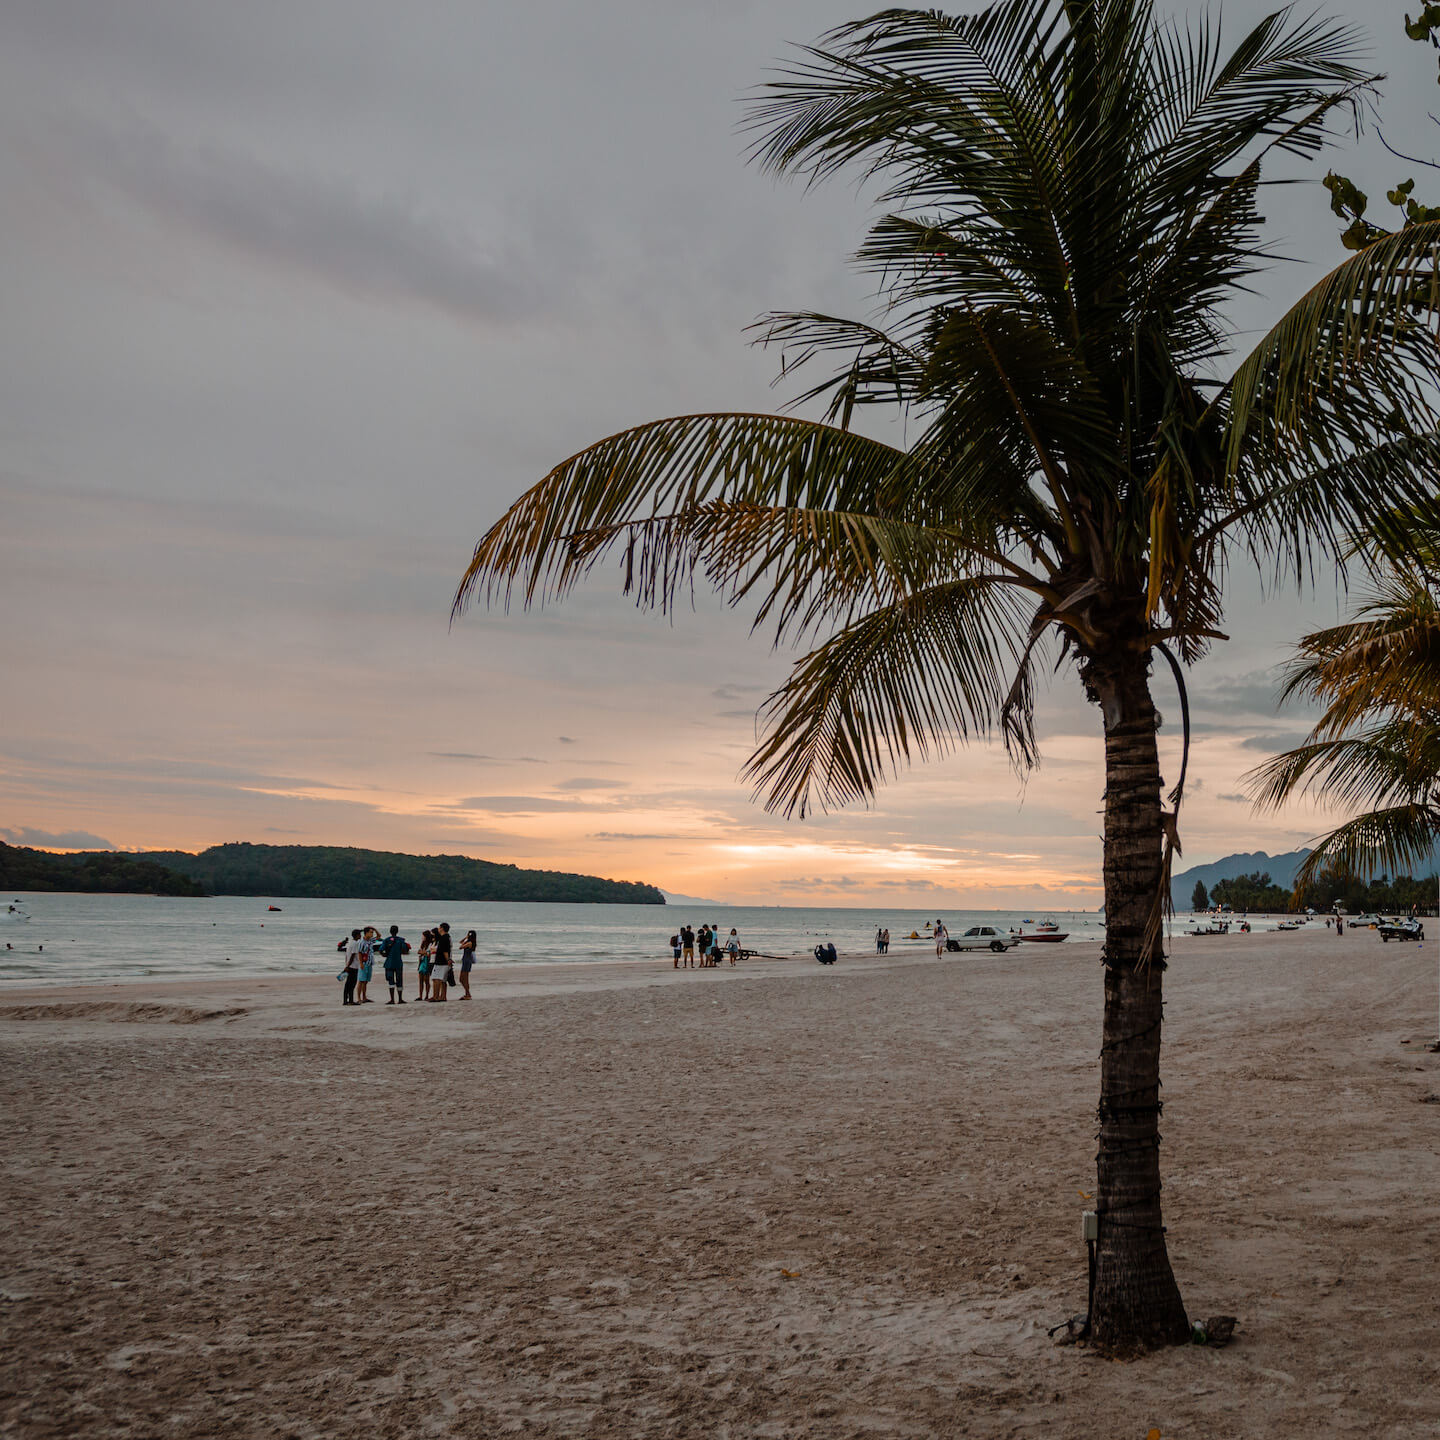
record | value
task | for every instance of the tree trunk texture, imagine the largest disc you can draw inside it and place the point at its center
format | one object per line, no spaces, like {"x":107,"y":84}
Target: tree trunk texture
{"x":1136,"y":1304}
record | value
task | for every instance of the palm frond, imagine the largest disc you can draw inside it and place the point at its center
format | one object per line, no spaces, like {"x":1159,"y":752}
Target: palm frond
{"x":902,"y":683}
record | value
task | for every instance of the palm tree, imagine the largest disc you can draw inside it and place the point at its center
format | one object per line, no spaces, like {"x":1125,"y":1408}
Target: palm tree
{"x":1376,"y":746}
{"x":1071,"y":190}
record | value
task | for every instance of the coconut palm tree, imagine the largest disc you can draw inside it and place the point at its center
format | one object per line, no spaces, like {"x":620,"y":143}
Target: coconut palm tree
{"x":1071,"y":202}
{"x":1376,"y":746}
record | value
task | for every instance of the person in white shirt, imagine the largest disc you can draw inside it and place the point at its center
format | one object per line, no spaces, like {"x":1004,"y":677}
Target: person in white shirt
{"x":941,"y":936}
{"x":352,"y":966}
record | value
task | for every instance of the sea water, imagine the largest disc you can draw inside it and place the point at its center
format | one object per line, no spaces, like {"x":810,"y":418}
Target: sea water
{"x":80,"y":938}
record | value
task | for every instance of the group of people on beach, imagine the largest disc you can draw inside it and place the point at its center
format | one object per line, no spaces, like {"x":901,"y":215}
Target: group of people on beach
{"x":434,"y":967}
{"x":708,"y":943}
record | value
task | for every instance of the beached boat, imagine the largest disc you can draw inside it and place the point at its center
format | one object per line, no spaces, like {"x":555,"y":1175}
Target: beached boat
{"x":1045,"y":930}
{"x":1218,"y":927}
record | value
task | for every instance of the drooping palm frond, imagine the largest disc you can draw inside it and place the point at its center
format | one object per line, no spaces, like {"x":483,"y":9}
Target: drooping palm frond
{"x":1394,"y":839}
{"x":902,"y":683}
{"x":806,"y":520}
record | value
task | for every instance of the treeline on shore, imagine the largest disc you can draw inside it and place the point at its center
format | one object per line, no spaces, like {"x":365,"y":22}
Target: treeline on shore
{"x":318,"y":872}
{"x":332,"y":872}
{"x":1256,"y":891}
{"x":93,"y":872}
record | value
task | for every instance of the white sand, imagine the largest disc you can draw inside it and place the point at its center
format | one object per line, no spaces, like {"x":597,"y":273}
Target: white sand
{"x":785,"y":1200}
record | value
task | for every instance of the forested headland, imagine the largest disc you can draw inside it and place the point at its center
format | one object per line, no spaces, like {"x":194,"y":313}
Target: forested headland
{"x":332,"y":872}
{"x":95,"y":871}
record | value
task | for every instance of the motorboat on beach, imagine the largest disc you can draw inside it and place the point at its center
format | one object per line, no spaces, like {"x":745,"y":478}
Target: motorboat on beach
{"x":1216,"y":927}
{"x":1046,"y":930}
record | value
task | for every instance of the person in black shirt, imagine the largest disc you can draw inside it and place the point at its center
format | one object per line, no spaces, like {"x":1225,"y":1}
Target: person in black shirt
{"x":440,"y":978}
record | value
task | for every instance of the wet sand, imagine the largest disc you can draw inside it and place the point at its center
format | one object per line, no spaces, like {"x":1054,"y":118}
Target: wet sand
{"x":621,"y":1200}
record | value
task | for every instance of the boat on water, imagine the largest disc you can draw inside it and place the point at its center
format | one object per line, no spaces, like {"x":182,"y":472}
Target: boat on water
{"x":14,"y":913}
{"x":275,"y":908}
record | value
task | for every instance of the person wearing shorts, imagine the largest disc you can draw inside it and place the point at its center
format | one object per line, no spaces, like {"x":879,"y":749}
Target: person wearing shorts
{"x":675,"y":946}
{"x":687,"y":941}
{"x":440,"y":964}
{"x":393,"y":949}
{"x":467,"y":961}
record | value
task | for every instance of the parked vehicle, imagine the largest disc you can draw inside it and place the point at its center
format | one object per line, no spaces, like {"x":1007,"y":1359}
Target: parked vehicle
{"x":982,"y":937}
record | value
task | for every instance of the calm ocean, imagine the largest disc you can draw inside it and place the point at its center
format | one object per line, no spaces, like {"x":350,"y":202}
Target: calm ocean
{"x":129,"y":937}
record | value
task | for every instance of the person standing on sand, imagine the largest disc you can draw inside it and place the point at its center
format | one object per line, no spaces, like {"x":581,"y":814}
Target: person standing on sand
{"x":885,"y":940}
{"x":441,"y":974}
{"x":393,"y":948}
{"x":687,"y":944}
{"x":422,"y":966}
{"x":367,"y":964}
{"x":941,"y":936}
{"x":467,"y":961}
{"x":352,"y":967}
{"x":1339,"y":924}
{"x":675,"y":946}
{"x":732,"y":945}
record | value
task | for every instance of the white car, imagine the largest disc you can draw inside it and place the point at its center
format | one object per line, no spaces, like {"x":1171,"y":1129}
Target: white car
{"x":982,"y":937}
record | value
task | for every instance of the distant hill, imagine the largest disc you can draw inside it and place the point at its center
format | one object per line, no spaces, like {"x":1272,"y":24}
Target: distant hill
{"x":96,"y":872}
{"x":327,"y":872}
{"x":1282,"y":870}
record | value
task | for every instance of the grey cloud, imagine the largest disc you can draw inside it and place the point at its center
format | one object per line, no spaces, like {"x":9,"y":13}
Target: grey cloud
{"x":519,"y":804}
{"x":1239,"y":799}
{"x":628,"y":835}
{"x":484,"y":759}
{"x":1273,"y":743}
{"x":50,"y":840}
{"x":567,"y":740}
{"x":589,"y":783}
{"x":820,"y":882}
{"x":373,"y":245}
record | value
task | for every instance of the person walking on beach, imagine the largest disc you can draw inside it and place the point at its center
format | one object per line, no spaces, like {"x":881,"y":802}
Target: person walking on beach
{"x":1339,"y":924}
{"x":687,"y":943}
{"x":942,"y":935}
{"x":394,"y":948}
{"x":732,"y":945}
{"x":467,"y":961}
{"x":352,"y":967}
{"x":442,"y":975}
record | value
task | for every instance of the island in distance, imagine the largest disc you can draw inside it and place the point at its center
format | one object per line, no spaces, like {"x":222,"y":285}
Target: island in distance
{"x":317,"y":872}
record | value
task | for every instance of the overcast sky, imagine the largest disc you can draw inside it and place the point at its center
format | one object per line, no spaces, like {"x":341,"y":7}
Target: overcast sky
{"x":297,"y":295}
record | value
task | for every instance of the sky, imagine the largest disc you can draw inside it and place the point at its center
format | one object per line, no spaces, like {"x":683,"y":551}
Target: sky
{"x":297,"y":296}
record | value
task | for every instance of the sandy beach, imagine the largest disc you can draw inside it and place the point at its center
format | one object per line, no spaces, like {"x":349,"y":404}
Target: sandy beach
{"x":621,"y":1200}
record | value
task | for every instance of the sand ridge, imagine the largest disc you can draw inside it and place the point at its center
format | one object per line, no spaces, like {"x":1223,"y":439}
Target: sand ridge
{"x":622,"y":1201}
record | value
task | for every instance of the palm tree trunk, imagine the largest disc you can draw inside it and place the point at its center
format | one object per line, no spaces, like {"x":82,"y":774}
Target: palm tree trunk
{"x":1136,"y":1303}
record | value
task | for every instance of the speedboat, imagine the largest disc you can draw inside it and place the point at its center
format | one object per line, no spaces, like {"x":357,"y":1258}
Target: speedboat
{"x":14,"y":913}
{"x":1049,"y":931}
{"x":1216,"y":927}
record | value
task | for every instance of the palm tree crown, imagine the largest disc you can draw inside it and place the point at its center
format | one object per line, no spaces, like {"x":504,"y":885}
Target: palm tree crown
{"x":1376,"y":746}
